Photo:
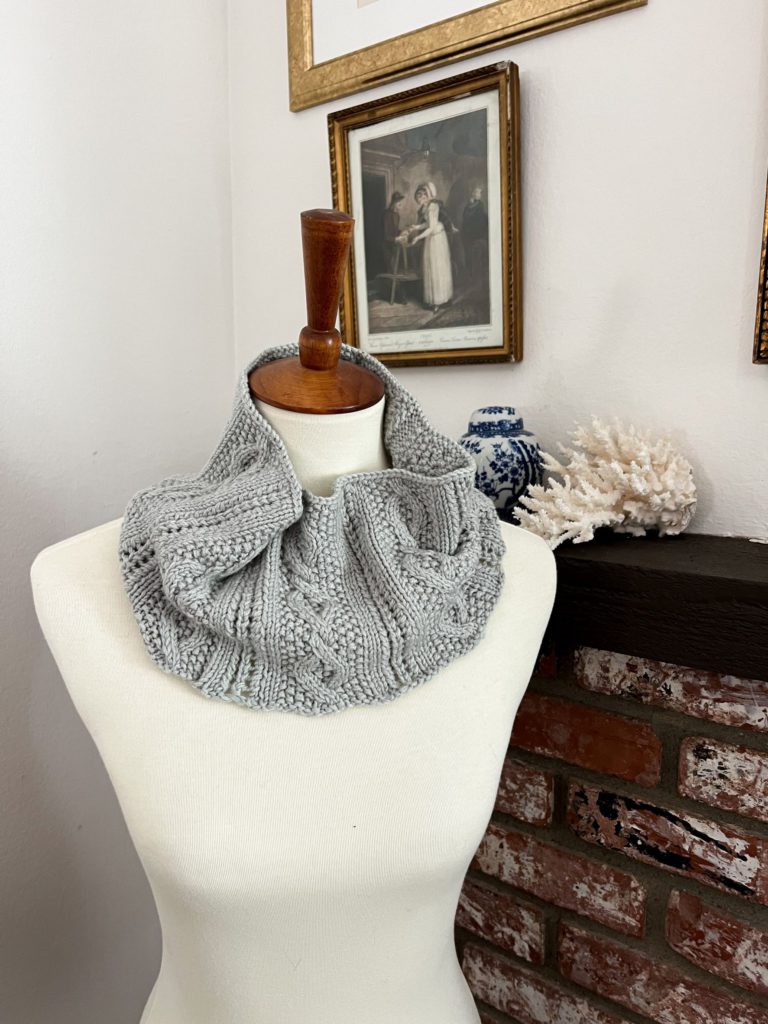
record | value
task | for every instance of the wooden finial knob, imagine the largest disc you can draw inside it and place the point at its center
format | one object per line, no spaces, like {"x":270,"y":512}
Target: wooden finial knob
{"x":326,"y":236}
{"x":319,"y":382}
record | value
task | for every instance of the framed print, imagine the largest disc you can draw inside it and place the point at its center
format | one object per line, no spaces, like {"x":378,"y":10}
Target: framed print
{"x":431,"y":177}
{"x":760,"y":351}
{"x":339,"y":47}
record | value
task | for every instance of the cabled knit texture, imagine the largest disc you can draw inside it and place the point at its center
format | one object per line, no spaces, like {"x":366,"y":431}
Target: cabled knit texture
{"x":262,"y":593}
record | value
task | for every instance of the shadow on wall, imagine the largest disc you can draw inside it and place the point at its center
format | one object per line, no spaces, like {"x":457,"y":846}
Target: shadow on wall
{"x":80,"y":934}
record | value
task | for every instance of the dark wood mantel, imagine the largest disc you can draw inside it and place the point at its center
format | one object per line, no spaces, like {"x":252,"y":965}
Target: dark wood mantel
{"x":693,"y":600}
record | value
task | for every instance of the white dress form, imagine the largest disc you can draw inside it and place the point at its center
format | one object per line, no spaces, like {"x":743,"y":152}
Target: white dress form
{"x":306,"y":870}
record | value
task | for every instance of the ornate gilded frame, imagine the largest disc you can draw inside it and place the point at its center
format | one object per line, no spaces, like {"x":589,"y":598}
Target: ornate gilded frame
{"x":760,"y":351}
{"x":465,"y":35}
{"x":504,"y":78}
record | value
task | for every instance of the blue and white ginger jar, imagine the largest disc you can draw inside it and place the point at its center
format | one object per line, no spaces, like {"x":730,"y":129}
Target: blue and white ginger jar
{"x":508,"y":456}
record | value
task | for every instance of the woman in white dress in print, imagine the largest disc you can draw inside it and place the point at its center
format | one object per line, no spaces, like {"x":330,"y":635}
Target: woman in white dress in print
{"x":436,"y":259}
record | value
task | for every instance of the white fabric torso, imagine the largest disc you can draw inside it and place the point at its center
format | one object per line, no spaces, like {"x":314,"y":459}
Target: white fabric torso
{"x":305,"y":869}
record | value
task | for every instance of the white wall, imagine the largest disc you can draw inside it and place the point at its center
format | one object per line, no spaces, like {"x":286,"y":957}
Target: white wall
{"x":645,"y":150}
{"x":117,"y":368}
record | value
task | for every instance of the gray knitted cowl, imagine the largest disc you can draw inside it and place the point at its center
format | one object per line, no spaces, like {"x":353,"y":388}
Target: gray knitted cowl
{"x":261,"y":593}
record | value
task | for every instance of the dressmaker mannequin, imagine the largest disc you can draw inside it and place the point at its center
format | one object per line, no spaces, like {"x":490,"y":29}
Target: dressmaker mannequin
{"x":306,"y":869}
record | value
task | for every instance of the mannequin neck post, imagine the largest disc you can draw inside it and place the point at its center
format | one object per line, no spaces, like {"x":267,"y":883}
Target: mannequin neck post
{"x":324,"y":447}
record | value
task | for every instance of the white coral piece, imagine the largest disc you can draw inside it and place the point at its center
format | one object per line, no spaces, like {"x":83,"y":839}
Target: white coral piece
{"x":615,"y":477}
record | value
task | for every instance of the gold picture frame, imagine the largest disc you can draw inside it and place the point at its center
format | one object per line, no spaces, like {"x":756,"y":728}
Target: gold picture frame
{"x":465,"y":35}
{"x":479,"y":319}
{"x":760,"y":350}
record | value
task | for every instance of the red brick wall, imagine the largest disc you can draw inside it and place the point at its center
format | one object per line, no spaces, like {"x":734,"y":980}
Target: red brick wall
{"x":624,"y":874}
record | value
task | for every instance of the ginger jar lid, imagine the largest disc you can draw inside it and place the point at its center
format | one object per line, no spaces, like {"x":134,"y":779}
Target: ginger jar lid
{"x":495,"y":419}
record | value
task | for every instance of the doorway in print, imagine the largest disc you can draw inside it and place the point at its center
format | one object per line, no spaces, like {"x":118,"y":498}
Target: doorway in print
{"x":374,"y":204}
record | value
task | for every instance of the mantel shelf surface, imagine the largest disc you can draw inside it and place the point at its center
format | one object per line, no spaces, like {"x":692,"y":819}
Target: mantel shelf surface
{"x":693,"y":600}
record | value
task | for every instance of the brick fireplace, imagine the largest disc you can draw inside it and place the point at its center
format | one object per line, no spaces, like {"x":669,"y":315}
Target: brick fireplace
{"x":624,"y":874}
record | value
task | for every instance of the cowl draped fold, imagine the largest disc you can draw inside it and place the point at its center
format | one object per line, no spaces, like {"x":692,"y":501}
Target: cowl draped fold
{"x":261,"y":593}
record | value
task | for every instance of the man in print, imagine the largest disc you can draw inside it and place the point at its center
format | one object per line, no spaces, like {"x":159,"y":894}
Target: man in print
{"x":474,"y":235}
{"x":391,"y":228}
